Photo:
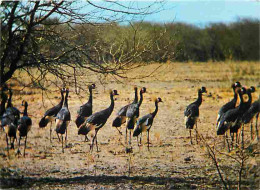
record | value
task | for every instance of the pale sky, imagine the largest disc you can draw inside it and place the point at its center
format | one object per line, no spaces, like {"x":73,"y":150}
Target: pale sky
{"x":199,"y":13}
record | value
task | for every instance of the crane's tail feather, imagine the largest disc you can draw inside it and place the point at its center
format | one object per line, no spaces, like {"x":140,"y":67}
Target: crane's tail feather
{"x":84,"y":130}
{"x":190,"y":122}
{"x":247,"y":117}
{"x":137,"y":131}
{"x":131,"y":123}
{"x":43,"y":122}
{"x":117,"y":122}
{"x":79,"y":121}
{"x":222,"y":127}
{"x":61,"y":126}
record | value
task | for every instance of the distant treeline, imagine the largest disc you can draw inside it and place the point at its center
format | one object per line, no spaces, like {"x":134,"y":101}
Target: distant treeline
{"x":216,"y":42}
{"x":154,"y":42}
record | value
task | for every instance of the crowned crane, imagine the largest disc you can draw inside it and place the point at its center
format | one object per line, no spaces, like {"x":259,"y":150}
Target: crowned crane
{"x":191,"y":113}
{"x":230,"y":118}
{"x":121,"y":114}
{"x":51,"y":113}
{"x":10,"y":121}
{"x":63,"y":119}
{"x":231,"y":104}
{"x":24,"y":126}
{"x":85,"y":111}
{"x":248,"y":116}
{"x":234,"y":129}
{"x":132,"y":115}
{"x":97,"y":120}
{"x":145,"y":123}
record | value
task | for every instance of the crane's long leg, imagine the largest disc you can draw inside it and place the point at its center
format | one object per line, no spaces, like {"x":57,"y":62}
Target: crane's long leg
{"x":86,"y":138}
{"x":12,"y":142}
{"x":196,"y":131}
{"x":50,"y":131}
{"x":62,"y":143}
{"x":236,"y":140}
{"x":251,"y":130}
{"x":190,"y":137}
{"x":18,"y":151}
{"x":96,"y":141}
{"x":242,"y":136}
{"x":232,"y":139}
{"x":93,"y":140}
{"x":25,"y":145}
{"x":148,"y":140}
{"x":141,"y":138}
{"x":130,"y":136}
{"x":66,"y":136}
{"x":119,"y":131}
{"x":227,"y":142}
{"x":58,"y":136}
{"x":126,"y":136}
{"x":256,"y":129}
{"x":7,"y":145}
{"x":224,"y":140}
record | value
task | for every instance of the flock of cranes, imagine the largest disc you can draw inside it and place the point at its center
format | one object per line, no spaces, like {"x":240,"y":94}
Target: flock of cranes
{"x":230,"y":117}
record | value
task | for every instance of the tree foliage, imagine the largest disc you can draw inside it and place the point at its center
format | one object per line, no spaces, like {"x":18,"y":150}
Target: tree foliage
{"x":58,"y":37}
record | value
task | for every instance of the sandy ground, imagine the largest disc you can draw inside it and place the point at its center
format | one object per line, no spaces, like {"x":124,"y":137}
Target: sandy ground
{"x":171,"y":162}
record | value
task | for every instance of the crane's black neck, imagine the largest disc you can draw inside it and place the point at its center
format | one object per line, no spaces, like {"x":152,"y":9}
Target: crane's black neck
{"x":9,"y":103}
{"x":62,"y":99}
{"x":199,"y":99}
{"x":235,"y":94}
{"x":136,"y":96}
{"x":112,"y":104}
{"x":241,"y":100}
{"x":66,"y":99}
{"x":90,"y":99}
{"x":25,"y":110}
{"x":156,"y":109}
{"x":141,"y":98}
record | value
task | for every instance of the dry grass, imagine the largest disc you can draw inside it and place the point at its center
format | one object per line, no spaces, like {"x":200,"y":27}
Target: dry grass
{"x":176,"y":84}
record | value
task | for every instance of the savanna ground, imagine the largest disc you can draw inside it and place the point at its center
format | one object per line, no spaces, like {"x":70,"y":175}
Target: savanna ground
{"x":171,"y":162}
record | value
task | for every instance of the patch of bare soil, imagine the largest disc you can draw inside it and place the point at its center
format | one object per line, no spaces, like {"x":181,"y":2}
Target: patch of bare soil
{"x":171,"y":163}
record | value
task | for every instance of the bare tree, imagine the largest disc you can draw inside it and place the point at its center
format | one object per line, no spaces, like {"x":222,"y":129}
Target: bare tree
{"x":43,"y":35}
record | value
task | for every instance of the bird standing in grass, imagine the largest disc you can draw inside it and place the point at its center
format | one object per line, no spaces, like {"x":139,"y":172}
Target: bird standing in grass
{"x":234,"y":128}
{"x":231,"y":104}
{"x":191,"y":113}
{"x":51,"y":113}
{"x":10,"y":121}
{"x":24,"y":126}
{"x":63,"y":119}
{"x":85,"y":110}
{"x":97,"y":120}
{"x":252,"y":112}
{"x":145,"y":123}
{"x":132,"y":115}
{"x":121,"y":114}
{"x":229,"y":119}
